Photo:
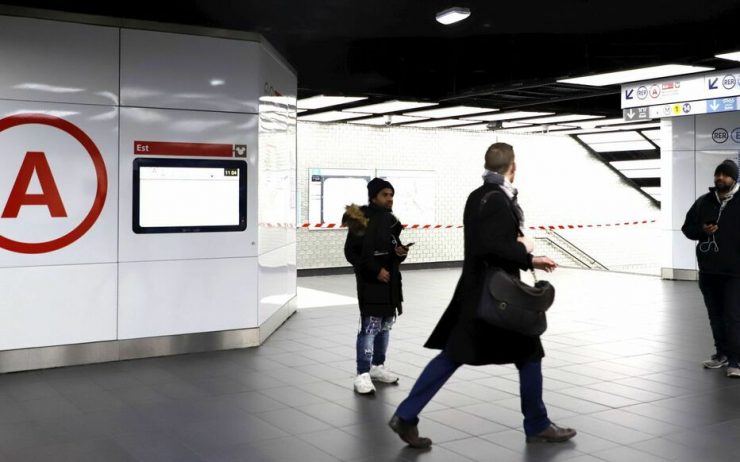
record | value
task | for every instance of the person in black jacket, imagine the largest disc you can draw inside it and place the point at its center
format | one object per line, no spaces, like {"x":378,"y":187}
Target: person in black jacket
{"x":373,"y":247}
{"x":714,"y":221}
{"x":493,"y":237}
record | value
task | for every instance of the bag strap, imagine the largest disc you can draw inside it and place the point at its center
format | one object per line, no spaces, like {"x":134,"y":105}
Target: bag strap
{"x":483,"y":202}
{"x":488,"y":195}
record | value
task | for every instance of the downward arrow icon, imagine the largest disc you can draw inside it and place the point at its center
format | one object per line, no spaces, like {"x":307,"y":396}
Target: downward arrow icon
{"x":714,"y":105}
{"x":630,"y":114}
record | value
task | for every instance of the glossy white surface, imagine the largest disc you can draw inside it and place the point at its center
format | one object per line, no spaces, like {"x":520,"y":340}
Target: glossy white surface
{"x":706,"y":163}
{"x":185,"y":127}
{"x":277,"y":280}
{"x":180,"y":71}
{"x":677,"y":187}
{"x":186,"y":296}
{"x":707,"y":124}
{"x":58,"y":61}
{"x":682,"y":251}
{"x":74,"y":175}
{"x":277,"y":155}
{"x":680,"y":135}
{"x":57,"y":305}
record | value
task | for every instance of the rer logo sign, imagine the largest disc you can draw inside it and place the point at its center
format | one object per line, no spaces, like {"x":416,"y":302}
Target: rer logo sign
{"x":36,"y":186}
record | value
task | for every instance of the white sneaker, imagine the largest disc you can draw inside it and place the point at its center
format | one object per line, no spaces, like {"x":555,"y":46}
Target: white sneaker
{"x":380,"y":374}
{"x":363,"y":384}
{"x":715,"y":362}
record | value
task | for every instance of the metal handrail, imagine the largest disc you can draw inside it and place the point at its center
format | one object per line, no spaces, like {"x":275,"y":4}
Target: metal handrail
{"x":574,"y":257}
{"x":593,"y":260}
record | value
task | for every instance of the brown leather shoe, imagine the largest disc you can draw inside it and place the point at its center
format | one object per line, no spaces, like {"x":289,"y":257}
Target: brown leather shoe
{"x":552,"y":434}
{"x":409,"y":433}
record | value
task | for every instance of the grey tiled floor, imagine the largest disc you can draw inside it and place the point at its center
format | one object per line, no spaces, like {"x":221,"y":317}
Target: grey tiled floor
{"x":622,"y":366}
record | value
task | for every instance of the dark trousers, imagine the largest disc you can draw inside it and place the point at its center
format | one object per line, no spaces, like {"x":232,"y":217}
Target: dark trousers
{"x":442,"y":367}
{"x":722,"y":298}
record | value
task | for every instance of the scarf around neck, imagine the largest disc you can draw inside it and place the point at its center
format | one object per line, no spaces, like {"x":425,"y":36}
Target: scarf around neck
{"x":498,"y":179}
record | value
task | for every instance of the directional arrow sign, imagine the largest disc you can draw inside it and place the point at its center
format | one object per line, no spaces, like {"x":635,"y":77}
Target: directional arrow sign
{"x":714,"y":105}
{"x":628,"y":93}
{"x":629,"y":114}
{"x":712,"y":83}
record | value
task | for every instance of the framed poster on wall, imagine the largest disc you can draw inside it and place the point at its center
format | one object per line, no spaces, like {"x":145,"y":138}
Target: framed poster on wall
{"x":413,"y":202}
{"x":331,"y":189}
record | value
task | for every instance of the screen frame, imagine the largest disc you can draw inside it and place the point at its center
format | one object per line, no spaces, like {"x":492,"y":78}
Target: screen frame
{"x":189,"y":163}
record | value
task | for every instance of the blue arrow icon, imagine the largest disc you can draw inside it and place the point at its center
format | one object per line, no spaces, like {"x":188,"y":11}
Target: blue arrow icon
{"x":713,"y":83}
{"x":628,"y":93}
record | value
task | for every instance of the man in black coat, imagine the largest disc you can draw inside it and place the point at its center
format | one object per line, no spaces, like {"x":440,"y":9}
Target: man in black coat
{"x":714,"y":220}
{"x":374,"y":249}
{"x":493,"y":237}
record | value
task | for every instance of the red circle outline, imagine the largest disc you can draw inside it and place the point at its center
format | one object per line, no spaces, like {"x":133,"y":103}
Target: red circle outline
{"x":100,"y":194}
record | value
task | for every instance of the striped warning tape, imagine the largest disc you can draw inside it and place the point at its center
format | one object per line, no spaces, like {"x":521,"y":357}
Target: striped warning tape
{"x":539,"y":227}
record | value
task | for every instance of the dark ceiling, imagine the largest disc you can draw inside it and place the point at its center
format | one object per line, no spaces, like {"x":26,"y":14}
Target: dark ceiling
{"x":507,"y":55}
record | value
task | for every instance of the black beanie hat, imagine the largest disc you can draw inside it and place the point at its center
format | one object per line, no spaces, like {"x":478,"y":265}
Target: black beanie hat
{"x":728,"y":167}
{"x":376,"y":185}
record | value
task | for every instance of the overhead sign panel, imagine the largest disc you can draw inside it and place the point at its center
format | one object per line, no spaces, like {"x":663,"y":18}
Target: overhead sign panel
{"x":713,"y":85}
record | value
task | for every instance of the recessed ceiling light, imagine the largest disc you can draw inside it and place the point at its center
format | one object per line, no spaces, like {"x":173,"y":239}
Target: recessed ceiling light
{"x":633,"y":75}
{"x":734,"y":56}
{"x":390,"y":106}
{"x":330,"y":116}
{"x":384,"y":120}
{"x":217,"y":82}
{"x":437,"y":123}
{"x":317,"y":102}
{"x":450,"y":111}
{"x":508,"y":115}
{"x":562,"y":118}
{"x":452,"y":15}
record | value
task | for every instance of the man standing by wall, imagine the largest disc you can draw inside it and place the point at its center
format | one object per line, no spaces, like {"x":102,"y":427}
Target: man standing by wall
{"x":374,"y":249}
{"x":493,"y":238}
{"x":714,"y":221}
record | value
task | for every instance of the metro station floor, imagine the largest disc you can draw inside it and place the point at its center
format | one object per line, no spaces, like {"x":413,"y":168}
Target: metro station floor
{"x":623,"y":367}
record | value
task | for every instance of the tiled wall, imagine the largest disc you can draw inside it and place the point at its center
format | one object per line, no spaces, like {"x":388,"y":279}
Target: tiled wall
{"x":559,"y":183}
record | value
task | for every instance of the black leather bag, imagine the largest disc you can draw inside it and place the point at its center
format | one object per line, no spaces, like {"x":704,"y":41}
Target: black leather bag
{"x":508,"y":303}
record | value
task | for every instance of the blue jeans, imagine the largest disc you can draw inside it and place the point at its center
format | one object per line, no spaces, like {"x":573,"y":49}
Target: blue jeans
{"x":441,"y":368}
{"x":372,"y":341}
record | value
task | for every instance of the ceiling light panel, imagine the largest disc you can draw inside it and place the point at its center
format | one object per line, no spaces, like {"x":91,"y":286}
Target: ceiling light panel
{"x":634,"y":75}
{"x":642,"y":173}
{"x":652,"y":134}
{"x":454,"y":111}
{"x":537,"y":129}
{"x":627,"y":146}
{"x":508,"y":115}
{"x":330,"y":116}
{"x":437,"y":123}
{"x":615,"y":137}
{"x":383,"y":120}
{"x":452,"y":15}
{"x":563,"y":118}
{"x":321,"y":101}
{"x":603,"y":122}
{"x":734,"y":56}
{"x":390,"y":106}
{"x":635,"y":126}
{"x":638,"y":164}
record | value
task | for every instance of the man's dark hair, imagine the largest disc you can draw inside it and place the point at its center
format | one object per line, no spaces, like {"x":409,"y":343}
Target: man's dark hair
{"x":499,"y":157}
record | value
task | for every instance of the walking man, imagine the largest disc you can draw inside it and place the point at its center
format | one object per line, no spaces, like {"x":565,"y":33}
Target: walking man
{"x":493,"y":237}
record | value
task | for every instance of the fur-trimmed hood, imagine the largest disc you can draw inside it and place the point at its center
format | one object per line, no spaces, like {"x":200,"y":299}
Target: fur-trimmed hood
{"x":355,"y":219}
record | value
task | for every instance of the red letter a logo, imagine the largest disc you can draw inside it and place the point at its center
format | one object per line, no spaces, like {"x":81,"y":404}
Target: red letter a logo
{"x":34,"y":161}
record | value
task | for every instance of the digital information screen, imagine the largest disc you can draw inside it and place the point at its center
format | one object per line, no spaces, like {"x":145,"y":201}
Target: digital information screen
{"x":189,"y":195}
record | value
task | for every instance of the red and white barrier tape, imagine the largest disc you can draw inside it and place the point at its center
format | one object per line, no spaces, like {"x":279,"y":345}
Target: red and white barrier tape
{"x":540,"y":227}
